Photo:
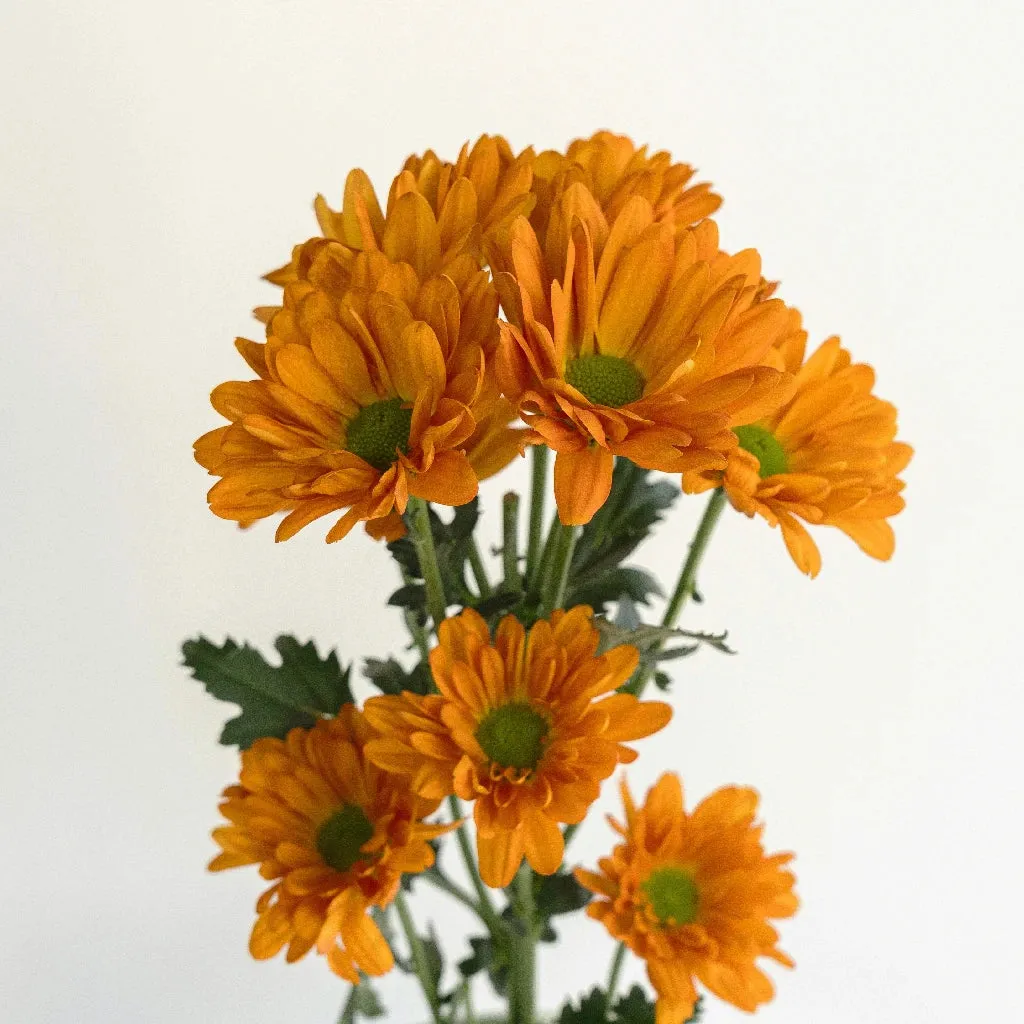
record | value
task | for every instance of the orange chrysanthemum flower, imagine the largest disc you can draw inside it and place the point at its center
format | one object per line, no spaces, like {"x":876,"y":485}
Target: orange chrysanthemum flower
{"x":334,"y":833}
{"x":614,"y":170}
{"x":692,"y":895}
{"x":362,"y":401}
{"x":526,"y":726}
{"x":827,"y":456}
{"x":436,"y":211}
{"x":630,"y":339}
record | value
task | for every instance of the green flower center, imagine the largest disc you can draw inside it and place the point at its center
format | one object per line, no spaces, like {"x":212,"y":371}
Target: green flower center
{"x":378,"y":432}
{"x":513,"y":736}
{"x":673,"y":896}
{"x":605,"y":380}
{"x":764,"y":446}
{"x":341,"y":837}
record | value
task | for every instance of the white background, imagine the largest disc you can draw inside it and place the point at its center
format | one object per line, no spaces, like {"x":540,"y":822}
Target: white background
{"x":158,"y":157}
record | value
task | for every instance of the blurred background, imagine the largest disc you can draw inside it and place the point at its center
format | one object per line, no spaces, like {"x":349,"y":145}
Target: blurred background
{"x":157,"y":158}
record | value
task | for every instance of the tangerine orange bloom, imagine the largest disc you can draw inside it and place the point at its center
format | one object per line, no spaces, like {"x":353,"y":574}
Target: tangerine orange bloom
{"x":495,"y":442}
{"x":333,"y":833}
{"x":614,"y":170}
{"x":692,"y":894}
{"x":362,"y":400}
{"x":827,"y":456}
{"x":525,"y":725}
{"x":628,"y":338}
{"x":436,"y":211}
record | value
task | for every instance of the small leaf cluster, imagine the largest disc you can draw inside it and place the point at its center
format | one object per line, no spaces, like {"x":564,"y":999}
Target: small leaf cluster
{"x":635,"y":1007}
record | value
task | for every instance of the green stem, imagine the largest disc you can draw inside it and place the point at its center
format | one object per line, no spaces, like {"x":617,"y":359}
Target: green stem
{"x":522,"y":978}
{"x":510,"y":541}
{"x":613,"y":977}
{"x":467,"y":996}
{"x":486,"y":908}
{"x":423,"y":539}
{"x":419,"y":958}
{"x":479,"y":572}
{"x":686,"y":583}
{"x":538,"y":493}
{"x":556,"y":576}
{"x":441,"y":881}
{"x":412,"y":624}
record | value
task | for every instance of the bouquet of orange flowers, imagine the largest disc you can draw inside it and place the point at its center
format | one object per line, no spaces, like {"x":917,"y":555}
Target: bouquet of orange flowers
{"x":577,"y":303}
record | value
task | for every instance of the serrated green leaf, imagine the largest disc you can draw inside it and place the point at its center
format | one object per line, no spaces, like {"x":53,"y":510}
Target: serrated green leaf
{"x":635,"y":1007}
{"x":607,"y":585}
{"x":634,"y":506}
{"x":560,"y":893}
{"x":391,"y":678}
{"x":480,"y":959}
{"x":590,"y":1010}
{"x":272,"y":698}
{"x":362,"y":1002}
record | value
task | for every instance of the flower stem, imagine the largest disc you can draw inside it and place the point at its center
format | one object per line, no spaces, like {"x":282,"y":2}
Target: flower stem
{"x":479,"y":572}
{"x":523,"y":967}
{"x":486,"y":907}
{"x":613,"y":977}
{"x":423,"y":539}
{"x":556,"y":576}
{"x":686,"y":583}
{"x":441,"y":881}
{"x":510,"y":542}
{"x":419,"y":958}
{"x":538,"y":493}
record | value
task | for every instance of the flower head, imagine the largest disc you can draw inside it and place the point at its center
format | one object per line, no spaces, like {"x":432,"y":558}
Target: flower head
{"x":333,"y":833}
{"x":363,"y":398}
{"x":525,"y":725}
{"x":827,"y":456}
{"x":614,"y":170}
{"x":630,"y":338}
{"x":436,"y":213}
{"x":692,"y":895}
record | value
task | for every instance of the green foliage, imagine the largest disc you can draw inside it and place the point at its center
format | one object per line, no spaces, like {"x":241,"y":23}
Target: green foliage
{"x":635,"y":1007}
{"x":591,"y":1009}
{"x":390,"y":677}
{"x":560,"y":894}
{"x":362,"y":1002}
{"x":272,"y":698}
{"x":451,"y":541}
{"x":634,"y":507}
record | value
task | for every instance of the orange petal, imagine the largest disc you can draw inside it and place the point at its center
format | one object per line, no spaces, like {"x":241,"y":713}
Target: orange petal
{"x":449,"y":481}
{"x":500,"y":855}
{"x":583,"y":481}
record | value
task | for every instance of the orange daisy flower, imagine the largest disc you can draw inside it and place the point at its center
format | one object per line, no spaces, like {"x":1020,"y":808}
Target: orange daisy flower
{"x":436,"y":211}
{"x":827,"y":456}
{"x":630,"y":339}
{"x":361,"y":401}
{"x":692,"y":895}
{"x":527,"y":726}
{"x":333,"y":833}
{"x":614,"y":170}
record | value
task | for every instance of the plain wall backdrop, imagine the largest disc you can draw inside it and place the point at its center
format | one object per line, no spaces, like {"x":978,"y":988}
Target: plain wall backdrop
{"x":158,"y":157}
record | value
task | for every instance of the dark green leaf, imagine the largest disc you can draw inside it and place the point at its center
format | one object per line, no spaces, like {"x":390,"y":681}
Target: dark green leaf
{"x":635,"y":1007}
{"x":634,"y":506}
{"x":411,"y":595}
{"x":481,"y":958}
{"x":591,"y":1009}
{"x":390,"y":677}
{"x":663,"y":681}
{"x":272,"y":698}
{"x":362,"y":1002}
{"x":464,"y":521}
{"x":607,"y":585}
{"x":560,"y":894}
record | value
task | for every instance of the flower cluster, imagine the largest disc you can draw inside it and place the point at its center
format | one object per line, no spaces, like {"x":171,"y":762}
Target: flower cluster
{"x":576,"y":302}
